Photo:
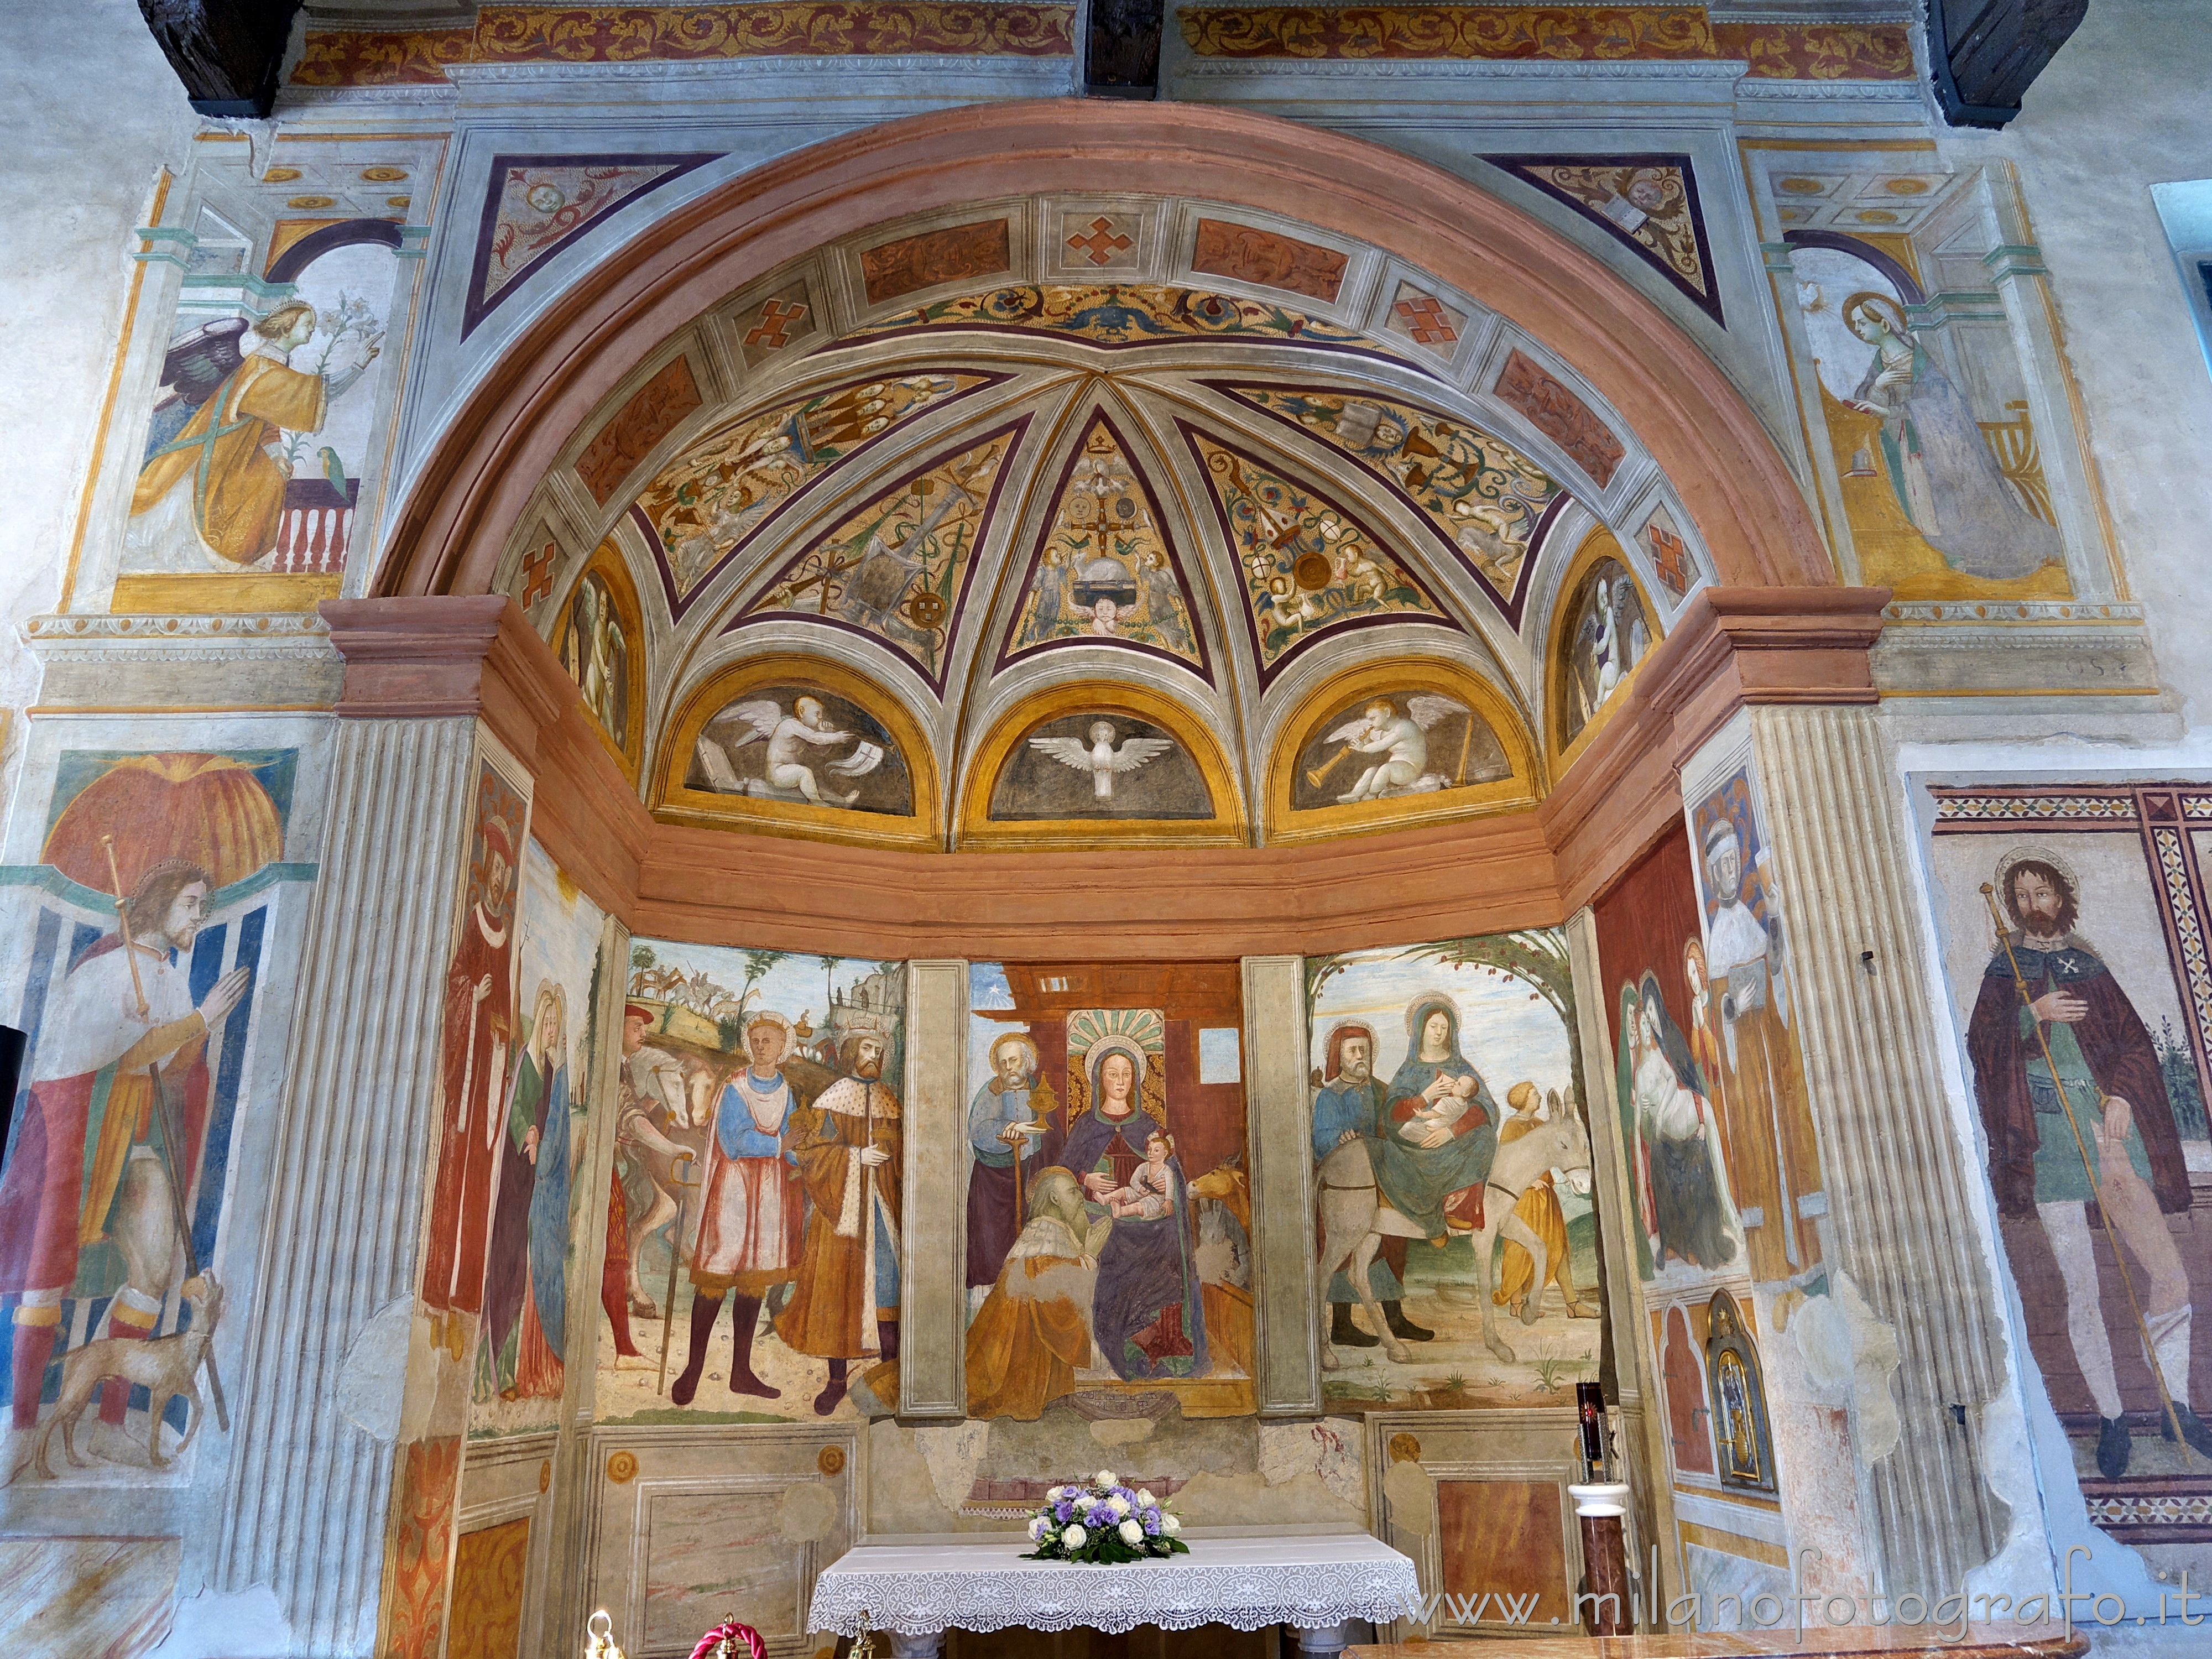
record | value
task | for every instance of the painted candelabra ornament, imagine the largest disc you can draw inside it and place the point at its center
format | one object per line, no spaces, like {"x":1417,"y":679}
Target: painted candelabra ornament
{"x":1102,"y":1523}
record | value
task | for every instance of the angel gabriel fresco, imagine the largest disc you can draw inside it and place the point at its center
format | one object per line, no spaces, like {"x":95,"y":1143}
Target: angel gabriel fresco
{"x":236,"y":485}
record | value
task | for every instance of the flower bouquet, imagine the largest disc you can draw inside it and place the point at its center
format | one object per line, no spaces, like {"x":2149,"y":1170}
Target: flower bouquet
{"x":1102,"y":1524}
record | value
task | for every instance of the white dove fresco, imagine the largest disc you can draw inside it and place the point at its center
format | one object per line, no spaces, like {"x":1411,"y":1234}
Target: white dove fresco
{"x":1100,"y":758}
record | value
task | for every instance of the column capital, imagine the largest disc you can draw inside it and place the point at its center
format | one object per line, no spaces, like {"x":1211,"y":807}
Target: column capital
{"x":1735,"y":647}
{"x":1730,"y":649}
{"x":424,"y":657}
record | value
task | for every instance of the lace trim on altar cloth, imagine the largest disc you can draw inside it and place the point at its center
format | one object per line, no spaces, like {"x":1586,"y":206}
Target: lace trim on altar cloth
{"x":1178,"y":1595}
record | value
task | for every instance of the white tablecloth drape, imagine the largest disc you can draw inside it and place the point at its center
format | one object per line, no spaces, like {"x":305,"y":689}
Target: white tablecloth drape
{"x":1309,"y":1583}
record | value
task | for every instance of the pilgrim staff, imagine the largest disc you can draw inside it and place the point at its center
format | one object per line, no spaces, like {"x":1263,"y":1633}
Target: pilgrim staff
{"x":2081,"y":1146}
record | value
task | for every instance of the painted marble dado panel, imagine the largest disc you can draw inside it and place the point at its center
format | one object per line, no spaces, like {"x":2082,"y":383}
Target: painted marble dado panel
{"x":2073,"y":926}
{"x":1452,"y":1163}
{"x":753,"y":1243}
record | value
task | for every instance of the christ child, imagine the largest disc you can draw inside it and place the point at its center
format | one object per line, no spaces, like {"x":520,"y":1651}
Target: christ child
{"x":1150,"y":1195}
{"x":1448,"y":1108}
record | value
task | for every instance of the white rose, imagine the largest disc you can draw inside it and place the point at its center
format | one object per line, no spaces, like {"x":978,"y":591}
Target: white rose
{"x":1118,"y":1504}
{"x":1104,"y":1478}
{"x":1075,"y":1538}
{"x":1039,"y":1527}
{"x":1086,"y":1503}
{"x":1170,"y":1524}
{"x":1131,"y":1533}
{"x":1054,"y":1493}
{"x":1145,"y":1500}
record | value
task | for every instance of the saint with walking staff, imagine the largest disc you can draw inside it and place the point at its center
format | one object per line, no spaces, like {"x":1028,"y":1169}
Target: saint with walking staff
{"x":2082,"y":1134}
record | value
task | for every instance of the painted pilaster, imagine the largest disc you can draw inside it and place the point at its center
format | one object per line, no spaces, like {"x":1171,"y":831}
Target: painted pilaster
{"x":1628,"y":1330}
{"x":565,"y":1602}
{"x":1876,"y":1090}
{"x":932,"y":1314}
{"x":322,"y":1388}
{"x":1286,"y":1337}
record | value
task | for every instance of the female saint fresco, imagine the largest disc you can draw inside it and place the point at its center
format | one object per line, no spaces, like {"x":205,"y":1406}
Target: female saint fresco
{"x":1947,"y":480}
{"x":526,"y":1301}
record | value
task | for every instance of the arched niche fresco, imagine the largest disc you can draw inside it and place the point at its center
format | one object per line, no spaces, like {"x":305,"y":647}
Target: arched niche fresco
{"x":600,"y":637}
{"x":1408,"y":741}
{"x":1100,"y":764}
{"x":799,"y":745}
{"x":1602,"y":629}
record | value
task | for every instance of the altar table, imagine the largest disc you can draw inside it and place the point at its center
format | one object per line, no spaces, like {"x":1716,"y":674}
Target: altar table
{"x":916,"y":1592}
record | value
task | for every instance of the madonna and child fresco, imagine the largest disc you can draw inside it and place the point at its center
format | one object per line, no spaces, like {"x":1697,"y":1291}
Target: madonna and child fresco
{"x":1452,"y":1166}
{"x":1109,"y":1215}
{"x":751,"y":1271}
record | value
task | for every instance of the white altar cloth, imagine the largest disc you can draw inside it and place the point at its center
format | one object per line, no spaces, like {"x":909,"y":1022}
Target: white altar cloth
{"x":1311,"y":1583}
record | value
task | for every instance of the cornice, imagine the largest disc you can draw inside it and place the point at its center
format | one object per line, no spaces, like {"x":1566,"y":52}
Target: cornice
{"x":430,"y":658}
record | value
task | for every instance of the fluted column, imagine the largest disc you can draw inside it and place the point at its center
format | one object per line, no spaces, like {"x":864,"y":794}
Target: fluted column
{"x":1898,"y":1186}
{"x":321,"y":1393}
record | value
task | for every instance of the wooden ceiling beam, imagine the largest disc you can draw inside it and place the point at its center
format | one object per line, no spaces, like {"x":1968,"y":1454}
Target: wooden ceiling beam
{"x":229,"y":53}
{"x":1984,"y":54}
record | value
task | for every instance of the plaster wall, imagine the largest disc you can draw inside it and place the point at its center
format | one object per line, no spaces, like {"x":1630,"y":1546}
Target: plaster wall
{"x":98,"y":113}
{"x":2120,"y":109}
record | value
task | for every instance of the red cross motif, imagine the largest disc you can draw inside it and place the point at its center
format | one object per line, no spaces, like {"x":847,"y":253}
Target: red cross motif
{"x":1102,"y":243}
{"x":777,"y":320}
{"x":1672,"y":557}
{"x":1425,"y":317}
{"x":537,"y":574}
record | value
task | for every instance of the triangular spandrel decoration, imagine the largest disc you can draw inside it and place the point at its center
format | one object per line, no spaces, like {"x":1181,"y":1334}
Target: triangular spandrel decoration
{"x":1104,"y":571}
{"x":1486,"y":501}
{"x":1649,"y":203}
{"x":721,"y":492}
{"x":897,"y":570}
{"x":1310,"y":565}
{"x":536,"y":206}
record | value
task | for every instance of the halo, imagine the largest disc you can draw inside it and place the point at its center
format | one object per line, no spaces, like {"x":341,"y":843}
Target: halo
{"x":1344,"y":1028}
{"x":1869,"y":299}
{"x":1425,"y":1002}
{"x":1117,"y":1044}
{"x":2039,"y":855}
{"x":770,"y":1017}
{"x":1020,"y":1037}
